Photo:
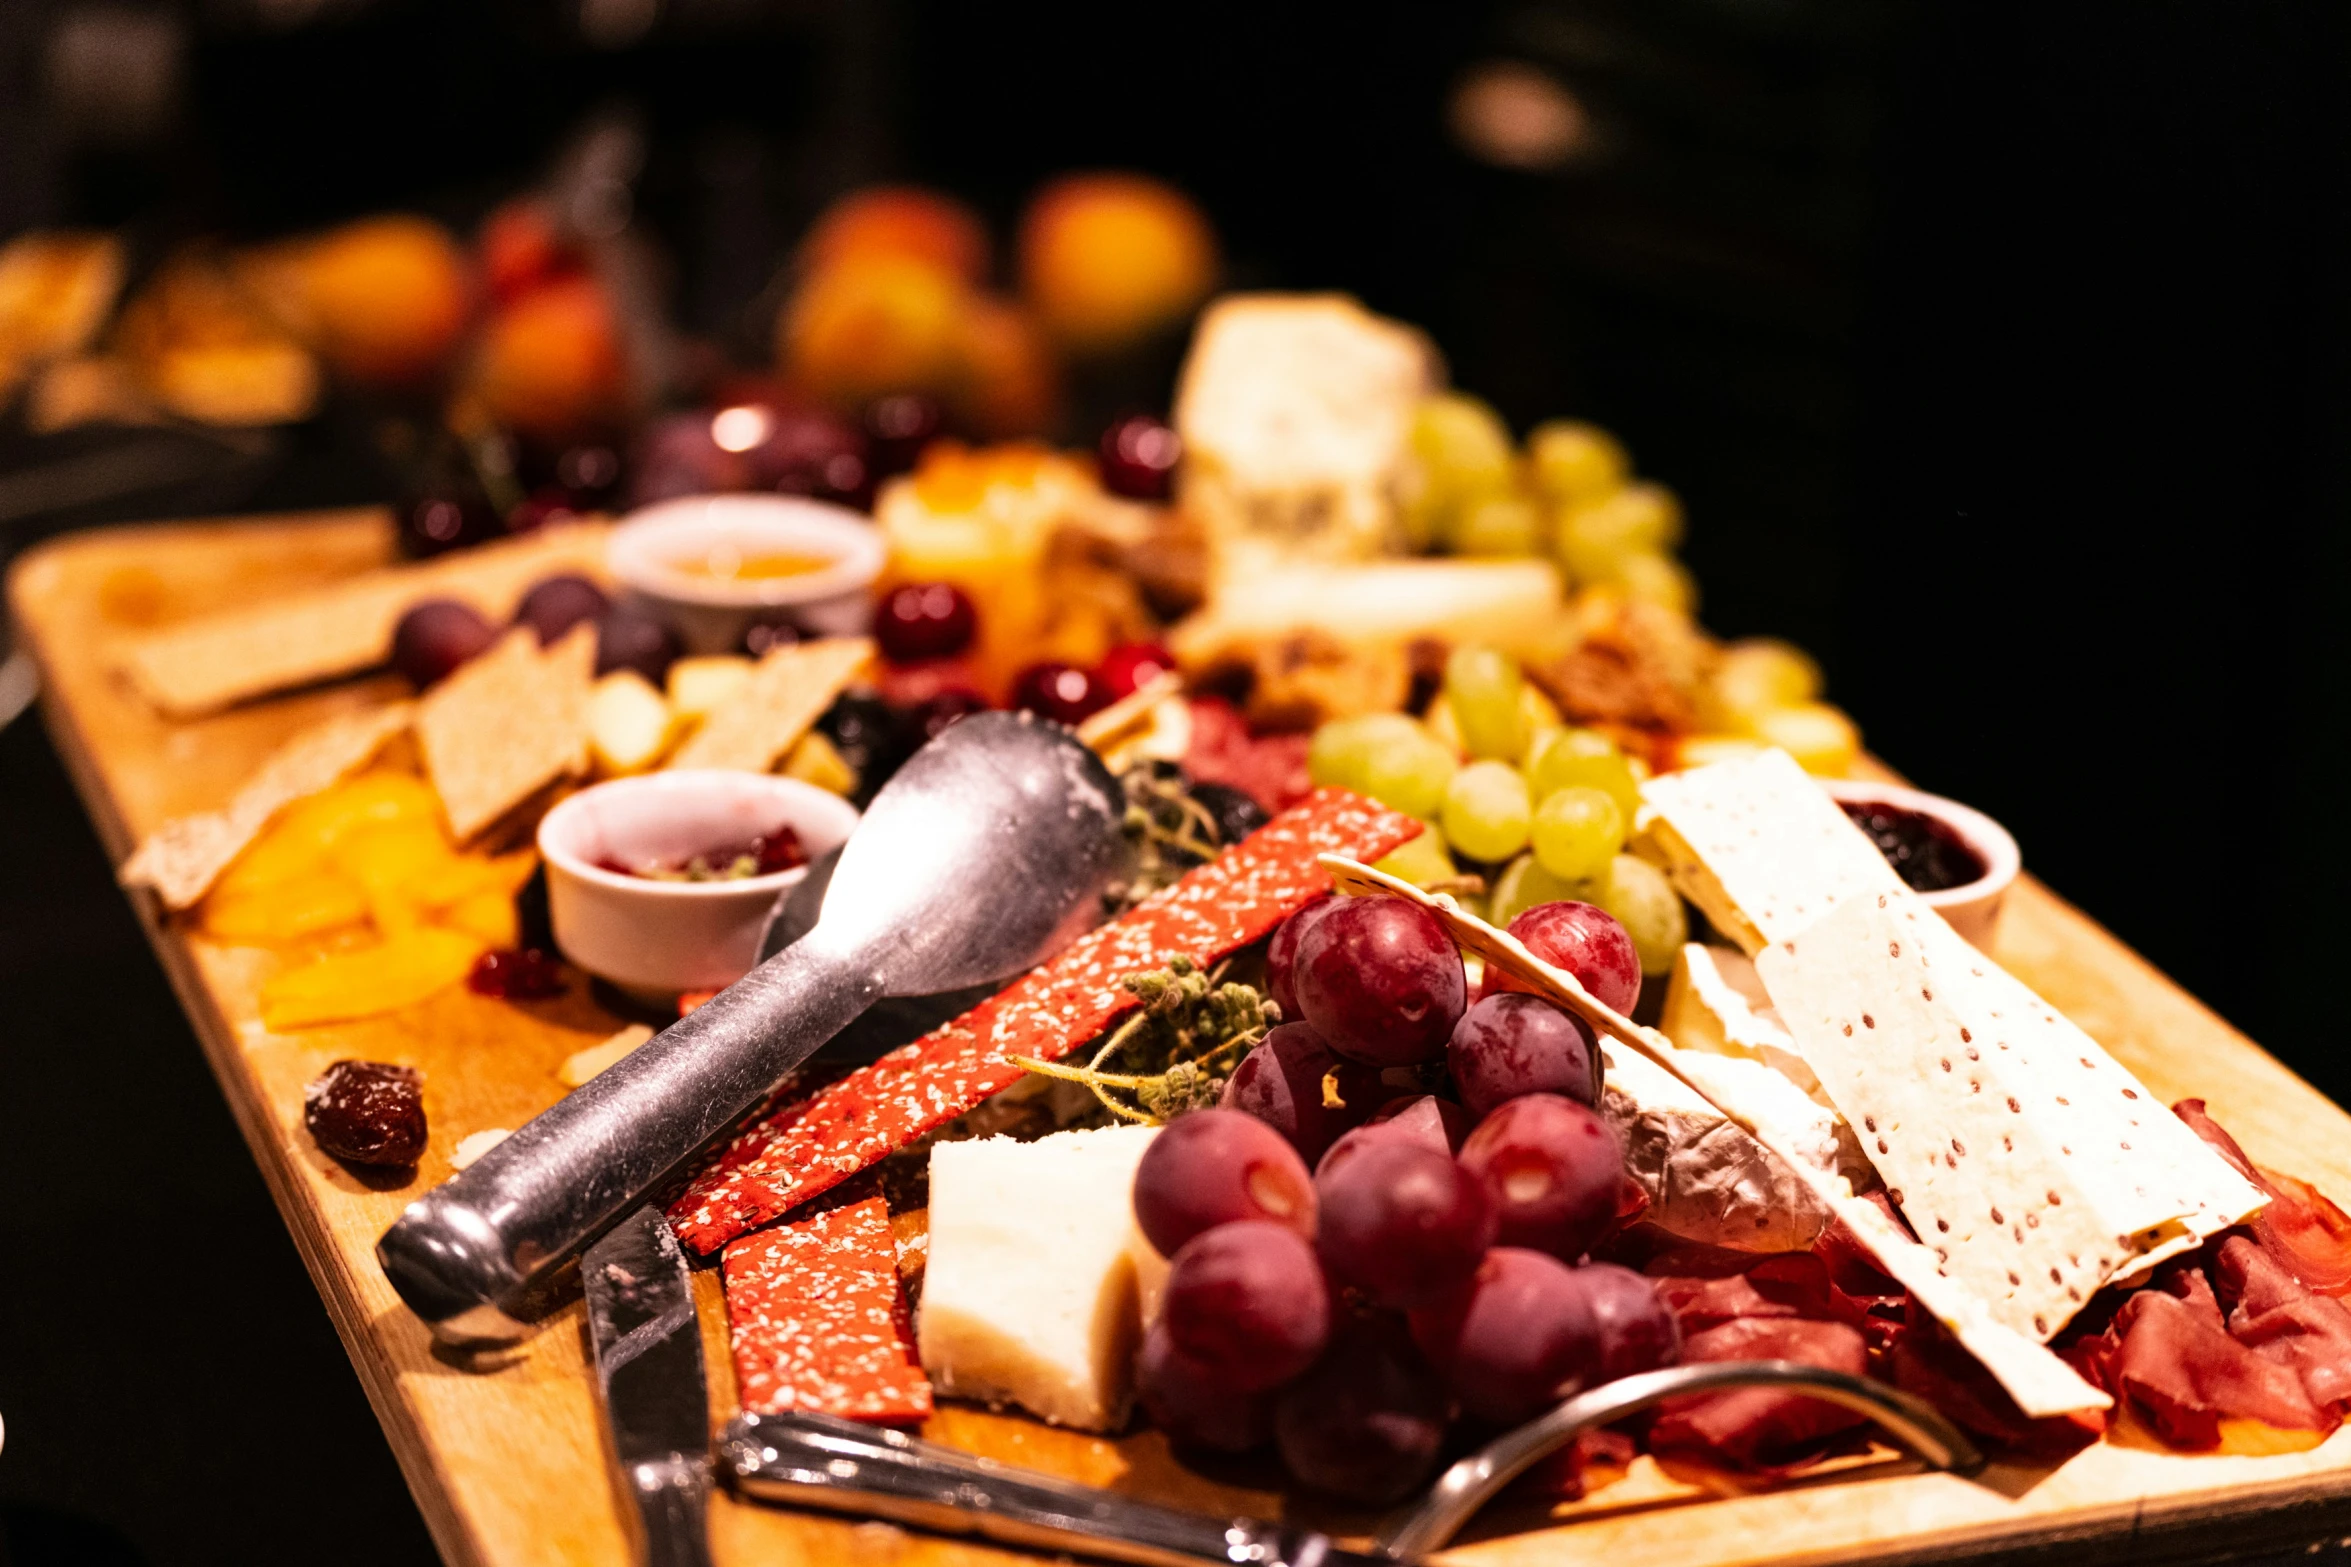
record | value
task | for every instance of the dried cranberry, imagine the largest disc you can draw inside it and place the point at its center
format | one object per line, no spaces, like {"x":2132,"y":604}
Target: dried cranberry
{"x":1139,"y":456}
{"x":925,"y":620}
{"x":367,"y":1113}
{"x":1062,"y":692}
{"x":1126,"y":669}
{"x":516,"y":974}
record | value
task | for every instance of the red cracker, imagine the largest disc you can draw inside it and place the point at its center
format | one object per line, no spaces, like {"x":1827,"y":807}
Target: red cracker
{"x":818,"y":1319}
{"x":792,"y":1154}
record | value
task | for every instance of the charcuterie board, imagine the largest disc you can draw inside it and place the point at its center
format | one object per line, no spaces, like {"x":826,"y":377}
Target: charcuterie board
{"x":505,"y":1457}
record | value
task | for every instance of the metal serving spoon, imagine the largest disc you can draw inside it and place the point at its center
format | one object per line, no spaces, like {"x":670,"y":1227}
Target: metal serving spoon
{"x":990,"y":849}
{"x":841,"y":1466}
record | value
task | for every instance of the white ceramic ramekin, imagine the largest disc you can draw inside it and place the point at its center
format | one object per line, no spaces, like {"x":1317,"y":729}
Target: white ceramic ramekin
{"x":710,"y":614}
{"x":656,"y":938}
{"x":1972,"y":908}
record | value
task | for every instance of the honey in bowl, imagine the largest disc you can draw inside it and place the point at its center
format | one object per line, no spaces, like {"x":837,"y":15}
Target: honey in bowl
{"x":725,"y":563}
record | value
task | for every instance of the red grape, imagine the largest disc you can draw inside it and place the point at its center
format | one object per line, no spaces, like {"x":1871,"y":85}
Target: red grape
{"x":629,"y":638}
{"x":1380,"y":981}
{"x":939,"y":712}
{"x":1513,"y":1044}
{"x":1637,"y":1332}
{"x":1214,"y":1167}
{"x":925,"y":620}
{"x":1247,"y":1301}
{"x":1553,"y":1170}
{"x":1139,"y":456}
{"x":436,"y":636}
{"x":805,"y":451}
{"x":1126,"y":669}
{"x":1062,"y":692}
{"x":448,"y":519}
{"x":1401,"y":1222}
{"x":898,"y":427}
{"x":1422,"y":1119}
{"x":1281,"y":954}
{"x":1588,"y":942}
{"x":1282,"y":1083}
{"x":1518,"y":1338}
{"x":556,"y":604}
{"x":1187,"y":1400}
{"x":547,"y":504}
{"x":1368,"y":1422}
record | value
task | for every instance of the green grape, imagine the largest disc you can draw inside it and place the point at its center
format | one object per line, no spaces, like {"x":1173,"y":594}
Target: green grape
{"x":1574,"y":461}
{"x":1462,"y":445}
{"x":1340,"y":754}
{"x":1423,"y":862}
{"x":1524,"y":883}
{"x":1584,"y":758}
{"x":1756,"y":675}
{"x":1595,"y":537}
{"x":1487,"y":812}
{"x":1659,"y":580}
{"x":1576,"y":833}
{"x":1409,"y":774}
{"x":1483,"y":684}
{"x":1645,"y":903}
{"x":1500,"y":525}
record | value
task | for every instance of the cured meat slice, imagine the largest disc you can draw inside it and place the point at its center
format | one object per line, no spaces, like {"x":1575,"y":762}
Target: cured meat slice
{"x":2170,"y":1359}
{"x":2300,"y":1227}
{"x":1760,"y":1427}
{"x":805,"y":1147}
{"x":818,"y":1320}
{"x":2278,"y":1319}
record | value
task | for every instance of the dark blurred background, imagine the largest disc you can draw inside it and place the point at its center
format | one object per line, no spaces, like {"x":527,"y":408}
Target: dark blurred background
{"x":1997,"y":350}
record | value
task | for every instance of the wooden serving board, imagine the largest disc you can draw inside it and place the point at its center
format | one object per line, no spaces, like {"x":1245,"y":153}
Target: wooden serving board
{"x":506,"y":1458}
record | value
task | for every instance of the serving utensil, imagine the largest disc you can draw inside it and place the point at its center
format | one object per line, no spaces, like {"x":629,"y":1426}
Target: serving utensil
{"x":819,"y":1461}
{"x":989,"y":851}
{"x":647,"y":1342}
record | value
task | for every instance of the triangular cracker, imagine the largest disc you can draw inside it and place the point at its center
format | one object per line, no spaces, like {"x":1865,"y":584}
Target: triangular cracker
{"x":182,"y":858}
{"x":507,"y":725}
{"x":784,"y":697}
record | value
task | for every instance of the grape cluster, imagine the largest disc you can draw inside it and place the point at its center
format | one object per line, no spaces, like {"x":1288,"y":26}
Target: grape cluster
{"x":1542,"y":810}
{"x":1430,"y":1265}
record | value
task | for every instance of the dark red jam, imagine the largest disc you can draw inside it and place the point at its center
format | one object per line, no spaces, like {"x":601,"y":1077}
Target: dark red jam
{"x":761,"y":856}
{"x":1923,"y":849}
{"x":516,"y":974}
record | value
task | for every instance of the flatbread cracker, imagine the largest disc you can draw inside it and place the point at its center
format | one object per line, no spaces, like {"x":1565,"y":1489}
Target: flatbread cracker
{"x":201,"y":666}
{"x":2041,"y":1384}
{"x":507,"y":725}
{"x":783,"y":699}
{"x":182,"y":858}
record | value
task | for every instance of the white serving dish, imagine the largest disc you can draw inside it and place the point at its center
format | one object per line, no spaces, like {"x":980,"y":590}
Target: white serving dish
{"x":1972,"y":908}
{"x":657,"y":938}
{"x":710,"y":614}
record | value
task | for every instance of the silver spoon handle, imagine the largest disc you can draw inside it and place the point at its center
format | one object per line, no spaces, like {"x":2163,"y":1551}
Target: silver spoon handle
{"x":1466,"y":1487}
{"x":467,"y":1255}
{"x":841,"y":1466}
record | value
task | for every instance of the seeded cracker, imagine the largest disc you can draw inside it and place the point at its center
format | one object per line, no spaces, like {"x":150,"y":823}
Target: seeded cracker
{"x":2032,"y":1161}
{"x":2041,"y":1384}
{"x":203,"y":665}
{"x":506,"y":726}
{"x":784,"y":697}
{"x":182,"y":858}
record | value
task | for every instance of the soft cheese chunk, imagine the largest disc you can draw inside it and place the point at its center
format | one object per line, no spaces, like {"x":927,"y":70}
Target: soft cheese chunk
{"x":1715,"y":1001}
{"x":2033,"y":1162}
{"x":1758,"y":846}
{"x":1030,"y":1293}
{"x":1295,"y":411}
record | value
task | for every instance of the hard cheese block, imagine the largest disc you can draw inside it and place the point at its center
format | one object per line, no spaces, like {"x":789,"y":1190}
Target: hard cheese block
{"x":1758,"y":846}
{"x":1029,"y":1296}
{"x":2034,"y":1164}
{"x":816,"y":1317}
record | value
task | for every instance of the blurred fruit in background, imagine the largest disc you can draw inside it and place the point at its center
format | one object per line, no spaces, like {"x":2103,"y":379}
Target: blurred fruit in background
{"x":874,"y":324}
{"x":1010,"y":385}
{"x":1107,"y":259}
{"x":520,"y":248}
{"x":55,"y":291}
{"x":549,"y":366}
{"x":900,"y":221}
{"x":197,"y":344}
{"x":385,"y":301}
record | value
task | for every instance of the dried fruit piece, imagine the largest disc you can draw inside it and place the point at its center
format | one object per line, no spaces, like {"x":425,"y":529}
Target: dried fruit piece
{"x":516,"y":974}
{"x":368,"y":1113}
{"x":406,"y":969}
{"x":299,"y":907}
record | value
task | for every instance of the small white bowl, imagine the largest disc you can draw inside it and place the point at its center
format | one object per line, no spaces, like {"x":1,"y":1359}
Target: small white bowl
{"x":1972,"y":908}
{"x":710,"y":614}
{"x":656,"y":938}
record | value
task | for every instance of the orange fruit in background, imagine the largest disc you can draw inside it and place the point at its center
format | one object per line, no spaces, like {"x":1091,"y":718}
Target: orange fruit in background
{"x":520,"y":249}
{"x":903,"y":221}
{"x":1011,"y":383}
{"x":386,"y":299}
{"x":1106,"y":259}
{"x":550,"y":364}
{"x":873,"y":323}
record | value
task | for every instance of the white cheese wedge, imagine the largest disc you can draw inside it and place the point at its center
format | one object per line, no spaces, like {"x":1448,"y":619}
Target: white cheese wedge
{"x":1707,"y":1178}
{"x":1029,"y":1294}
{"x":1296,"y":412}
{"x":1715,"y":1001}
{"x":2033,"y":1162}
{"x":1758,"y":846}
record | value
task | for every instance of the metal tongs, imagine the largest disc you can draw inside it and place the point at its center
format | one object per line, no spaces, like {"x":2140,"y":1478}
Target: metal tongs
{"x":820,"y":1461}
